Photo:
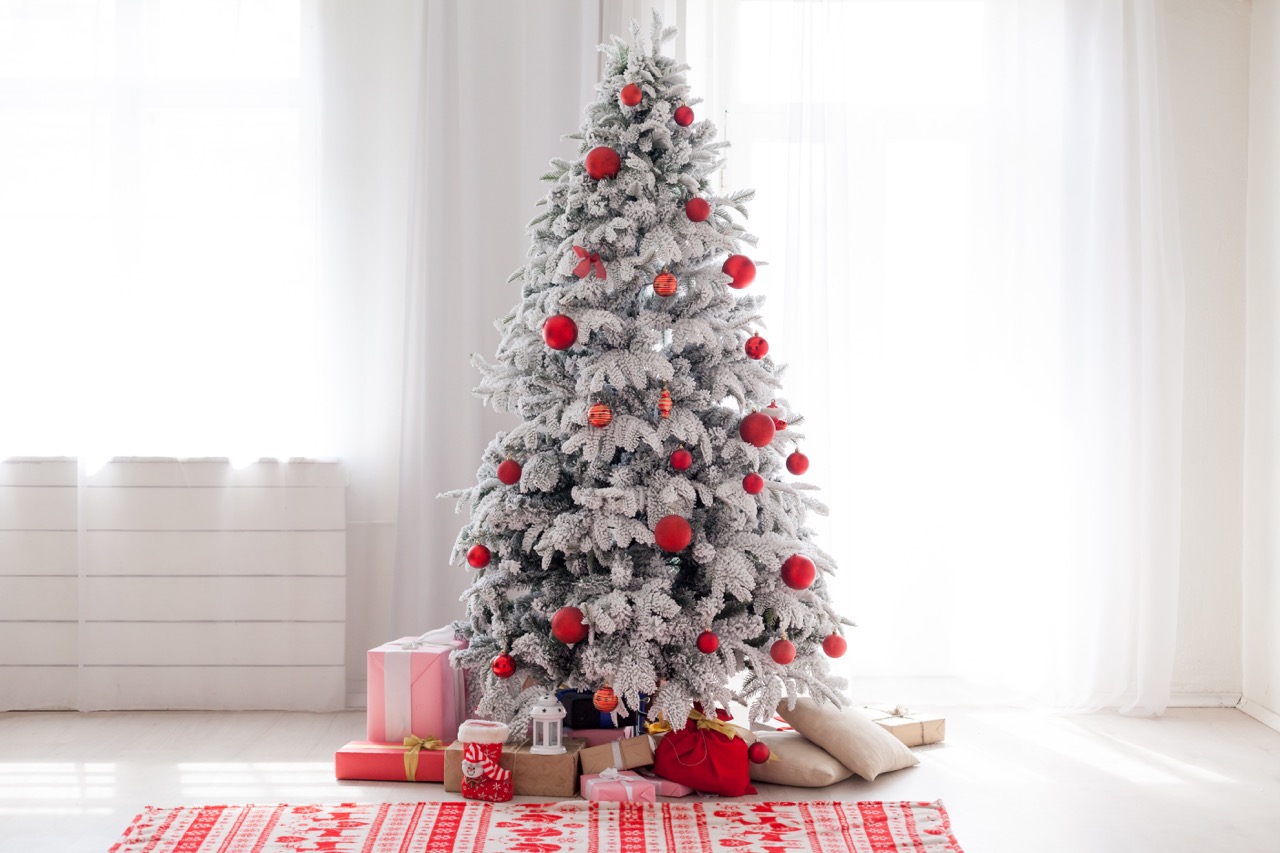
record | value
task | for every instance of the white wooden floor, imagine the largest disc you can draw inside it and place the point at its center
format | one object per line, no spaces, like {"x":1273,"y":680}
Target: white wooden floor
{"x":1014,"y":781}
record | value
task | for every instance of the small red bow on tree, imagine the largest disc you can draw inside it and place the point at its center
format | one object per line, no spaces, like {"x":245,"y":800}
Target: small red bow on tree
{"x":589,"y":259}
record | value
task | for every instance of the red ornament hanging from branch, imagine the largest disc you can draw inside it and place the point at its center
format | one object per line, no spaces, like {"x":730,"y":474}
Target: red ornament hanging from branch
{"x":560,"y":332}
{"x":664,"y":404}
{"x":681,"y":459}
{"x":741,"y":269}
{"x":478,"y":556}
{"x":783,"y":651}
{"x":630,"y":95}
{"x":509,"y":472}
{"x":568,"y":625}
{"x":756,"y":429}
{"x":673,"y":534}
{"x":835,"y":646}
{"x":708,"y":642}
{"x":797,"y":463}
{"x":697,"y":209}
{"x":504,"y":665}
{"x":753,"y":483}
{"x":599,"y":415}
{"x":798,"y":572}
{"x":756,"y":347}
{"x":665,"y":284}
{"x":602,"y":162}
{"x":605,"y":699}
{"x":684,"y":116}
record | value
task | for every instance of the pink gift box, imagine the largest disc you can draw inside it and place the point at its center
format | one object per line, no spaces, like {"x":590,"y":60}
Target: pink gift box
{"x":599,"y":737}
{"x":413,"y":690}
{"x":666,"y":787}
{"x":619,"y":786}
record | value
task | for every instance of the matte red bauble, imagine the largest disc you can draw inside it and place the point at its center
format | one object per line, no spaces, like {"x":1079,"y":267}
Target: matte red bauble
{"x":602,"y":162}
{"x":684,"y":116}
{"x":697,"y":209}
{"x":798,"y":572}
{"x":779,"y":424}
{"x":599,"y":415}
{"x":673,"y":534}
{"x":567,"y":626}
{"x":605,"y":699}
{"x":797,"y":462}
{"x":783,"y":652}
{"x":753,"y":483}
{"x":741,"y":269}
{"x":560,"y":332}
{"x":504,"y":665}
{"x":630,"y":95}
{"x":758,"y":752}
{"x":681,"y":459}
{"x":756,"y":347}
{"x":509,"y":472}
{"x":665,"y":284}
{"x":708,"y":642}
{"x":756,"y":429}
{"x":834,"y":646}
{"x":478,"y":556}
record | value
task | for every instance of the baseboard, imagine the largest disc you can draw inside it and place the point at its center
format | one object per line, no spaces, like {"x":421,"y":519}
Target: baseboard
{"x":1204,"y":700}
{"x":1260,"y":713}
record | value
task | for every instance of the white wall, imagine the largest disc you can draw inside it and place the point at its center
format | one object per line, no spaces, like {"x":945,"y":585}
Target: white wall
{"x":1261,"y":580}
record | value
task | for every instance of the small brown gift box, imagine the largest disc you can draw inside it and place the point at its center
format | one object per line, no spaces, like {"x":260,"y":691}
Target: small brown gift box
{"x":911,"y":728}
{"x":624,"y":754}
{"x":533,"y":775}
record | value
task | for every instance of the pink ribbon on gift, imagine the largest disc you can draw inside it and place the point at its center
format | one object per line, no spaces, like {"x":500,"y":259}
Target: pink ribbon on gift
{"x":589,"y":259}
{"x":611,"y":774}
{"x":473,"y":754}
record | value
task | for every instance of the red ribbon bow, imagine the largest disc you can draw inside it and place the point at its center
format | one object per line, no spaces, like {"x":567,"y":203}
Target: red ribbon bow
{"x":589,"y":259}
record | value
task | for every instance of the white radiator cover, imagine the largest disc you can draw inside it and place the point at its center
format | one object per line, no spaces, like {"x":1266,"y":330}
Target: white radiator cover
{"x":172,"y":584}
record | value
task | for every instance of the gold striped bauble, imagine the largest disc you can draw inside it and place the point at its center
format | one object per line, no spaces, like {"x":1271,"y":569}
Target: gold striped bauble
{"x":664,"y":403}
{"x":665,"y":284}
{"x":599,"y":415}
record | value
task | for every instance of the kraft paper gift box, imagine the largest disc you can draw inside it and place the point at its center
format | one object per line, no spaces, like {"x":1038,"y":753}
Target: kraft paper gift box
{"x":910,"y":727}
{"x":533,"y":775}
{"x":421,"y":760}
{"x":598,"y":737}
{"x":619,"y":786}
{"x":622,"y":754}
{"x":413,"y":690}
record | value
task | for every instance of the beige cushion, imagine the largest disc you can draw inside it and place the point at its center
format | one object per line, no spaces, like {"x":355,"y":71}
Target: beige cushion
{"x":855,"y":741}
{"x":800,"y":763}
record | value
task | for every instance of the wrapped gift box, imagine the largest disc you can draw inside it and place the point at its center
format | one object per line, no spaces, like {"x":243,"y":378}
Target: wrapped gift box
{"x":619,"y":786}
{"x":388,"y":762}
{"x":414,"y":690}
{"x":533,"y":775}
{"x":599,"y":737}
{"x":622,"y":754}
{"x":665,"y":787}
{"x":910,"y":727}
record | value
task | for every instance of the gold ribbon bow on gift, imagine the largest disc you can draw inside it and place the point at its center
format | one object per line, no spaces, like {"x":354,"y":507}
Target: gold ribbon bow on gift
{"x":412,"y":745}
{"x":715,"y":724}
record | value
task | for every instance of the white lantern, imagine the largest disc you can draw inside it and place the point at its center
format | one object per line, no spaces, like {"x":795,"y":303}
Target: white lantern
{"x":547,"y":727}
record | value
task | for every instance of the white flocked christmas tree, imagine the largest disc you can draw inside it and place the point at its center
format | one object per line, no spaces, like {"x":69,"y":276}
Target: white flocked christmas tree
{"x":644,"y":509}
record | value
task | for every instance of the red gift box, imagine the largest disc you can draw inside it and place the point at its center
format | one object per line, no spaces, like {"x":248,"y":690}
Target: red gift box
{"x":416,"y":760}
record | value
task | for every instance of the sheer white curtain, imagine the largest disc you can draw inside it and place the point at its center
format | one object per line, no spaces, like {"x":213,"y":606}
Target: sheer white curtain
{"x":974,"y":275}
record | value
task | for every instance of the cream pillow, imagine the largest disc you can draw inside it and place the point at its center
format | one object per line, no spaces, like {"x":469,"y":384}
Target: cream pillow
{"x":851,"y":738}
{"x":800,"y":763}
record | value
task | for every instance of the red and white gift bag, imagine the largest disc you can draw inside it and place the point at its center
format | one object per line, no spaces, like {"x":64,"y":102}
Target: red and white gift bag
{"x":483,"y":777}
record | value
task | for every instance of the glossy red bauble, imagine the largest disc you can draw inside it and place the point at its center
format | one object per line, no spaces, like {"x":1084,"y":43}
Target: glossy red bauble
{"x":753,"y":483}
{"x":783,"y":652}
{"x":708,"y":642}
{"x":602,"y":162}
{"x":567,"y":626}
{"x":756,"y":429}
{"x":630,"y":95}
{"x":758,"y":752}
{"x":560,"y":332}
{"x":741,"y":269}
{"x":681,"y":459}
{"x":756,"y":347}
{"x":835,"y":646}
{"x":605,"y":699}
{"x":509,"y":472}
{"x":697,"y":209}
{"x":684,"y":116}
{"x":673,"y":534}
{"x":797,"y":462}
{"x":798,"y":572}
{"x":478,"y":556}
{"x":504,"y":665}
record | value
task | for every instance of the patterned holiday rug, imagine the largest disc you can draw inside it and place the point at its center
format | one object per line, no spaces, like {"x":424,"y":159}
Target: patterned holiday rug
{"x":568,"y":827}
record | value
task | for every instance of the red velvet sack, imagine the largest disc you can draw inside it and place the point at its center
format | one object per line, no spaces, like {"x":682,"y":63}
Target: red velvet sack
{"x":706,"y":759}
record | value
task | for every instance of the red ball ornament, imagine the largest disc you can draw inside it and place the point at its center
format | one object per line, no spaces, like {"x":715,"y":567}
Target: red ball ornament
{"x":673,"y":534}
{"x":478,"y":556}
{"x":741,"y":269}
{"x":753,"y":483}
{"x":783,"y":651}
{"x":798,"y":572}
{"x":697,"y":209}
{"x":504,"y":665}
{"x":560,"y":332}
{"x":605,"y":699}
{"x":797,"y":462}
{"x":665,"y":284}
{"x":756,"y":429}
{"x":599,"y":415}
{"x":708,"y":642}
{"x":684,"y":116}
{"x":834,"y":646}
{"x":758,"y":752}
{"x":602,"y":162}
{"x":509,"y":472}
{"x":630,"y":95}
{"x":681,"y":459}
{"x":756,"y":347}
{"x":567,"y":626}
